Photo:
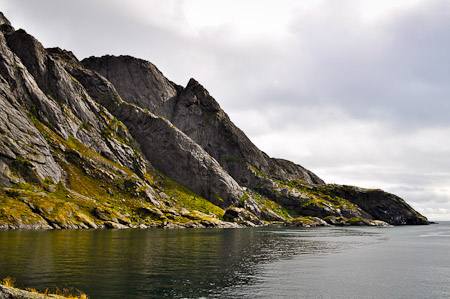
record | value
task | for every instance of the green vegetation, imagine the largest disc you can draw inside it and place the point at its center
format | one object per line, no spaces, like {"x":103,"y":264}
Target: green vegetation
{"x":208,"y":116}
{"x":87,"y":126}
{"x":322,"y":196}
{"x":228,"y":160}
{"x":257,"y":171}
{"x":268,"y":204}
{"x":183,"y":197}
{"x":114,"y":129}
{"x":355,"y":220}
{"x":96,"y":192}
{"x":18,"y":67}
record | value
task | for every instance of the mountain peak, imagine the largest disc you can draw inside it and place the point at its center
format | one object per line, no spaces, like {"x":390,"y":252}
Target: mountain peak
{"x":192,"y":82}
{"x":4,"y":20}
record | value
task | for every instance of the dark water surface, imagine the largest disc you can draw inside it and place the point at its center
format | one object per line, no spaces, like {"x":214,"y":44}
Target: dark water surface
{"x":358,"y":262}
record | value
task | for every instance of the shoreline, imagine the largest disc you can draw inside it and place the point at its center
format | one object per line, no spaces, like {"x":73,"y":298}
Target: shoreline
{"x":305,"y":222}
{"x":11,"y":292}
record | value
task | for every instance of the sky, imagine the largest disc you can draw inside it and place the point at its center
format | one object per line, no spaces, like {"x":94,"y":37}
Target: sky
{"x":355,"y":90}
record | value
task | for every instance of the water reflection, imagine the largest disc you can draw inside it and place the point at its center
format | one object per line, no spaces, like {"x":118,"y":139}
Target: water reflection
{"x":157,"y":263}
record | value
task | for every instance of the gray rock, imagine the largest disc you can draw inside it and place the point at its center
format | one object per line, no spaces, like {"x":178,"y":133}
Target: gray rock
{"x":380,"y":205}
{"x":138,"y":81}
{"x":104,"y":215}
{"x":240,"y":215}
{"x":20,"y":141}
{"x":66,"y":106}
{"x":268,"y":214}
{"x":150,"y":212}
{"x":14,"y":293}
{"x":308,"y":222}
{"x":4,"y":20}
{"x":176,"y":155}
{"x":114,"y":225}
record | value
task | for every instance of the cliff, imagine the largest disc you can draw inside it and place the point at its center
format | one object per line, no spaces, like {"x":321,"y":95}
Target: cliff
{"x":110,"y":142}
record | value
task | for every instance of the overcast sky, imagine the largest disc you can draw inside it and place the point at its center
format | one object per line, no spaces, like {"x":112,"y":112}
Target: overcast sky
{"x":358,"y":91}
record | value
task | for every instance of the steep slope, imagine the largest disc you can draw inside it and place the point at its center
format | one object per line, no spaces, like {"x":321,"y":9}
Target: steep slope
{"x":68,"y":163}
{"x":198,"y":115}
{"x":166,"y":147}
{"x":111,"y":142}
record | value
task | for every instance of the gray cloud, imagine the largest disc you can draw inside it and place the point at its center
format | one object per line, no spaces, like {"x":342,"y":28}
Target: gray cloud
{"x":361,"y":102}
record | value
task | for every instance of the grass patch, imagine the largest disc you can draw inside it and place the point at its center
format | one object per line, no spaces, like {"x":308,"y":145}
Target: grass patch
{"x":183,"y":197}
{"x":269,"y":204}
{"x":318,"y":195}
{"x":8,"y":282}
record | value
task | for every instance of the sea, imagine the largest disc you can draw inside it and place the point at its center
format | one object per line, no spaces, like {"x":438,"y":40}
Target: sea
{"x":264,"y":262}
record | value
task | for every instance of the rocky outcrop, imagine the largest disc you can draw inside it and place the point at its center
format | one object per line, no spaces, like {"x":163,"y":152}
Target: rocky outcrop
{"x":379,"y":204}
{"x":22,"y":146}
{"x":139,"y":82}
{"x":4,"y":20}
{"x":241,"y":216}
{"x":110,"y":142}
{"x":73,"y":112}
{"x":15,"y":293}
{"x":307,"y":221}
{"x":176,"y":155}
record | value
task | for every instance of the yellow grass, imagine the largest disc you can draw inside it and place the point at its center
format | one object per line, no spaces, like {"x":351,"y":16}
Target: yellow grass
{"x":9,"y":282}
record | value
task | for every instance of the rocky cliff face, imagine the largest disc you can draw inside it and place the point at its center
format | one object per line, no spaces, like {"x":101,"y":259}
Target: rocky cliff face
{"x":198,"y":115}
{"x":111,"y":142}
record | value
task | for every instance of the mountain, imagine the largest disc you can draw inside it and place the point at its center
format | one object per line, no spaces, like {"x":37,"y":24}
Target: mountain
{"x":109,"y":142}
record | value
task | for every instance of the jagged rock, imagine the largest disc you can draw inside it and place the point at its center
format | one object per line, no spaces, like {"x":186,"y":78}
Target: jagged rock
{"x":176,"y":155}
{"x":250,"y":204}
{"x":87,"y":220}
{"x":139,"y":82}
{"x":20,"y":142}
{"x":379,"y":204}
{"x":268,"y":214}
{"x":4,"y":20}
{"x":170,"y":211}
{"x":377,"y":223}
{"x":240,"y":215}
{"x":14,"y":293}
{"x":114,"y":225}
{"x":66,"y":104}
{"x":105,"y":215}
{"x":307,"y":222}
{"x":150,"y":212}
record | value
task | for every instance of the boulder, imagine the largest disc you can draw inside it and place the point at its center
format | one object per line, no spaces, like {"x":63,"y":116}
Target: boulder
{"x":242,"y":216}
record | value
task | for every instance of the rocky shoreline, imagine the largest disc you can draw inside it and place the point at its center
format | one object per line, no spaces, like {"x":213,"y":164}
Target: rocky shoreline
{"x":14,"y":293}
{"x":212,"y":223}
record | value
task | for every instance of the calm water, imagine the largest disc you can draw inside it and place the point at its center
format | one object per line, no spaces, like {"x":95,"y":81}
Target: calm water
{"x":398,"y":262}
